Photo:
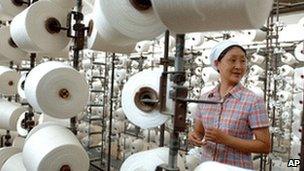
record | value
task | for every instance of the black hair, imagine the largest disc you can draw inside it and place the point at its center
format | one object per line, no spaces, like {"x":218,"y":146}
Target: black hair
{"x":229,"y":48}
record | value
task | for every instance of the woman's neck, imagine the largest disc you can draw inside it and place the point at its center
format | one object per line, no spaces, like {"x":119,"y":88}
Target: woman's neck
{"x":225,"y":88}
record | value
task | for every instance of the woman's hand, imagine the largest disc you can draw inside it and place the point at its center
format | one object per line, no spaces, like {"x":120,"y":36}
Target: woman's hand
{"x":195,"y":138}
{"x":216,"y":135}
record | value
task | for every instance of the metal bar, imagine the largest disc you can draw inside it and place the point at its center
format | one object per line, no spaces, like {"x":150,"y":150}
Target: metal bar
{"x":94,"y":133}
{"x":273,"y":65}
{"x":200,"y":101}
{"x":98,"y":77}
{"x":149,"y":101}
{"x":290,"y":8}
{"x":97,"y":91}
{"x":174,"y":141}
{"x":79,"y":37}
{"x":95,"y":146}
{"x":302,"y":140}
{"x":163,"y":86}
{"x":95,"y":166}
{"x":95,"y":105}
{"x":111,"y":112}
{"x":99,"y":63}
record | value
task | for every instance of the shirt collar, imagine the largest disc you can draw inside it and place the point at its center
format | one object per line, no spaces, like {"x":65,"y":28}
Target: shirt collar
{"x":234,"y":92}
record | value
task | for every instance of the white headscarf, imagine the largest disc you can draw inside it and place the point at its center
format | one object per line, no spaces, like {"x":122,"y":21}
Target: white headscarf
{"x":218,"y":49}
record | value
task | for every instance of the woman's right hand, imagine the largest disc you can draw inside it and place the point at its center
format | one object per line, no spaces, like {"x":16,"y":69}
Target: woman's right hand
{"x":195,"y":138}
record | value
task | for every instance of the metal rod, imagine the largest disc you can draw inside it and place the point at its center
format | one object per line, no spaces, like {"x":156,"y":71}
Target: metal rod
{"x":302,"y":140}
{"x":163,"y":86}
{"x":174,"y":141}
{"x":76,"y":49}
{"x":111,"y":111}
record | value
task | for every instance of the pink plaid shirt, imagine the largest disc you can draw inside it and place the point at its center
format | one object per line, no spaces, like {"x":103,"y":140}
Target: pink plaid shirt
{"x":241,"y":112}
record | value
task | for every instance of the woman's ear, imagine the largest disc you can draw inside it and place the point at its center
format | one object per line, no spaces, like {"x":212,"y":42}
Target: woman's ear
{"x":216,"y":63}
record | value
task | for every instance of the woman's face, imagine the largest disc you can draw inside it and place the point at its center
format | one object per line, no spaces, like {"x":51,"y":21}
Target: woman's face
{"x":232,"y":66}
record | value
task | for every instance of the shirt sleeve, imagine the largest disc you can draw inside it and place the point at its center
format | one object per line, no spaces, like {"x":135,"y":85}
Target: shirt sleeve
{"x":197,"y":113}
{"x":258,"y":117}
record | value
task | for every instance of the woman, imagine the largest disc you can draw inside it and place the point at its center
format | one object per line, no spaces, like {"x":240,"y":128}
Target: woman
{"x":229,"y":132}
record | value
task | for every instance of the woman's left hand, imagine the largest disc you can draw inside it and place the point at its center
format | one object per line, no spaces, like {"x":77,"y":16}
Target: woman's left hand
{"x":216,"y":135}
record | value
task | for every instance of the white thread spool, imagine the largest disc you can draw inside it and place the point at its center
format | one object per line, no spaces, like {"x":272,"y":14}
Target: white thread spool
{"x":6,"y":153}
{"x":29,"y":26}
{"x":10,"y":112}
{"x":86,"y":63}
{"x":192,"y":109}
{"x":209,"y":74}
{"x":66,"y":4}
{"x":118,"y":126}
{"x":208,"y":86}
{"x":298,"y":100}
{"x":96,"y":40}
{"x":143,"y":85}
{"x":256,"y":70}
{"x":212,"y":165}
{"x":256,"y":90}
{"x":191,"y":162}
{"x":143,"y":46}
{"x":295,"y":147}
{"x":8,"y":9}
{"x":134,"y":25}
{"x":297,"y":114}
{"x":97,"y":85}
{"x":20,"y":86}
{"x":196,"y":91}
{"x":9,"y":79}
{"x":51,"y":154}
{"x":56,"y":89}
{"x":286,"y":71}
{"x":198,"y":71}
{"x":288,"y":58}
{"x":119,"y":114}
{"x":299,"y":52}
{"x":206,"y":57}
{"x":258,"y":59}
{"x":199,"y":60}
{"x":299,"y":77}
{"x":194,"y":80}
{"x":8,"y":50}
{"x":120,"y":74}
{"x":254,"y":81}
{"x":137,"y":145}
{"x":14,"y":163}
{"x":149,"y":160}
{"x":194,"y":40}
{"x":182,"y":16}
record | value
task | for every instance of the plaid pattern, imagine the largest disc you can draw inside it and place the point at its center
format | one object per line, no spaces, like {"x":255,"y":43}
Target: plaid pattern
{"x":241,"y":112}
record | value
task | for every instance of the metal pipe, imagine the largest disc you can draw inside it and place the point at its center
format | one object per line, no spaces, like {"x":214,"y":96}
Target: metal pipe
{"x":302,"y":140}
{"x":78,"y":41}
{"x":174,"y":141}
{"x":163,"y":87}
{"x":274,"y":66}
{"x":111,"y":112}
